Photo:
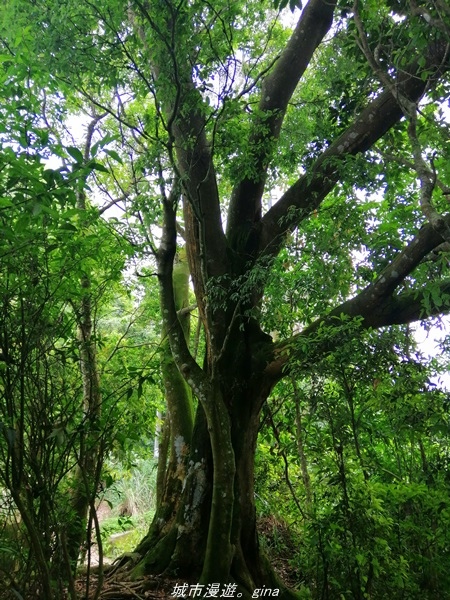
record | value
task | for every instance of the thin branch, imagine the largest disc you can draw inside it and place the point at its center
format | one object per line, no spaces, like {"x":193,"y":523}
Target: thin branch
{"x":112,"y":203}
{"x":427,"y":179}
{"x":426,"y":175}
{"x":428,"y":18}
{"x":90,"y":133}
{"x":404,"y":162}
{"x":285,"y":461}
{"x":184,"y":360}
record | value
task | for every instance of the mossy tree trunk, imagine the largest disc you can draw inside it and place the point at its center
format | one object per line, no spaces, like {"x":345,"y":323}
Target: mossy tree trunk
{"x":179,"y":416}
{"x":212,"y":536}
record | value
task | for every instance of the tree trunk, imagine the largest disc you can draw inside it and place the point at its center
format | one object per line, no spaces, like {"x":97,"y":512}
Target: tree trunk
{"x":212,"y":536}
{"x":177,"y":431}
{"x":205,"y":528}
{"x":86,"y":477}
{"x":90,"y":457}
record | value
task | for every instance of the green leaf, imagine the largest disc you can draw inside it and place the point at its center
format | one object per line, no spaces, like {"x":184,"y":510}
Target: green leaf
{"x":109,"y":137}
{"x":293,"y":4}
{"x":75,"y":153}
{"x":114,"y":155}
{"x":96,"y":166}
{"x":37,"y":209}
{"x":68,"y":227}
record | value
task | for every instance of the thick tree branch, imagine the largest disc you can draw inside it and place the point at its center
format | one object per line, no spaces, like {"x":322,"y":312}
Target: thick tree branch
{"x":398,"y":309}
{"x":198,"y":177}
{"x":405,"y":262}
{"x":277,"y":90}
{"x":374,"y":121}
{"x":377,"y":305}
{"x":412,"y":305}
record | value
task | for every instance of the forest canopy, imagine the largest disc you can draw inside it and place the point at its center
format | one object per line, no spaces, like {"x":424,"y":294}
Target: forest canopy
{"x":218,"y":223}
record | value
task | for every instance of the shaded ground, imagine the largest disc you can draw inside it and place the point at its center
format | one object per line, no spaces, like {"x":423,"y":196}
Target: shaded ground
{"x":112,"y":589}
{"x":110,"y":582}
{"x":277,"y":540}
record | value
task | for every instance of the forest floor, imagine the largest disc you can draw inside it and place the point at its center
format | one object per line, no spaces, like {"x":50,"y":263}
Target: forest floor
{"x":276,"y":538}
{"x":112,"y":588}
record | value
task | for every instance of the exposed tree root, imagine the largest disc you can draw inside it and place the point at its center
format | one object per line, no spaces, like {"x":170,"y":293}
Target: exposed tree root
{"x":116,"y":587}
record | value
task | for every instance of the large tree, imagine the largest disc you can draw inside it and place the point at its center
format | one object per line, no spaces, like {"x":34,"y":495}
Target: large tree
{"x":273,"y":151}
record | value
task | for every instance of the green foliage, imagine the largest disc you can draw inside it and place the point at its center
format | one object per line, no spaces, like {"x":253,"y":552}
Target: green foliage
{"x":367,"y":449}
{"x":131,"y":486}
{"x":128,"y":331}
{"x":40,"y":395}
{"x":48,"y":247}
{"x":293,"y":4}
{"x":131,"y":496}
{"x":171,"y":92}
